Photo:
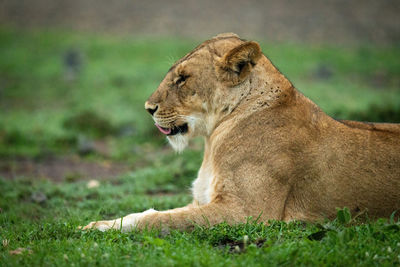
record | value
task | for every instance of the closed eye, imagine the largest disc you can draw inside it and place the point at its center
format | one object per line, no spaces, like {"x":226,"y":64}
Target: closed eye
{"x":180,"y":79}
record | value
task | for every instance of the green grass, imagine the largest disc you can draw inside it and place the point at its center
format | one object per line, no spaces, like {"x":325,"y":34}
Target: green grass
{"x":46,"y":113}
{"x":48,"y":230}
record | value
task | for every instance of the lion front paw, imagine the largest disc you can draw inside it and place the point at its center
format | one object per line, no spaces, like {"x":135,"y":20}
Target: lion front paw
{"x":127,"y":223}
{"x":101,"y":226}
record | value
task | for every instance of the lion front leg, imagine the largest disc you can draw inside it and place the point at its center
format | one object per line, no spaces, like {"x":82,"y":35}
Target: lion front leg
{"x":180,"y":218}
{"x":125,"y":224}
{"x":185,"y":218}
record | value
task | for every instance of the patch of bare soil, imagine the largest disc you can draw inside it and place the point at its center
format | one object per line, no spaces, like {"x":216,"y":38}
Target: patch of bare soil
{"x":66,"y":168}
{"x":336,"y":21}
{"x":239,"y":246}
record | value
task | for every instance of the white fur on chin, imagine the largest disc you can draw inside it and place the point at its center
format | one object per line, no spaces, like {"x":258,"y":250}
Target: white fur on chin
{"x":178,"y":142}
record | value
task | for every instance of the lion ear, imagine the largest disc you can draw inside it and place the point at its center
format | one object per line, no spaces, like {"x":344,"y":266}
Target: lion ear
{"x":234,"y":67}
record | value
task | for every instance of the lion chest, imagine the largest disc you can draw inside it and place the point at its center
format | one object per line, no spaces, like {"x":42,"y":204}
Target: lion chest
{"x":202,"y":187}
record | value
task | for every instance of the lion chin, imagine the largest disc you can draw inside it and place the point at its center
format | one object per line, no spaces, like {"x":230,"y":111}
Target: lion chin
{"x":178,"y":142}
{"x":269,"y":151}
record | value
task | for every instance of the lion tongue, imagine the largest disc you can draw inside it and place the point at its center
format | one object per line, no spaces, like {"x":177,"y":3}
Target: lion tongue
{"x":163,"y":130}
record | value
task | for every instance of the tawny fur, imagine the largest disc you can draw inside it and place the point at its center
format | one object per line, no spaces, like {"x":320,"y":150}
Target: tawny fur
{"x":269,"y":150}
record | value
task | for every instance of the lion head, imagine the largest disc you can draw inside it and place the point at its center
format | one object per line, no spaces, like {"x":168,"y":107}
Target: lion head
{"x":203,"y":87}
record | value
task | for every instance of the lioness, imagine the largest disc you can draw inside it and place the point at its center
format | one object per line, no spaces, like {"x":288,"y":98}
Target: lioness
{"x":269,"y":150}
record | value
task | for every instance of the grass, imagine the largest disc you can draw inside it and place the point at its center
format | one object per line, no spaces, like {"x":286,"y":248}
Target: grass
{"x":47,"y":229}
{"x":62,"y":91}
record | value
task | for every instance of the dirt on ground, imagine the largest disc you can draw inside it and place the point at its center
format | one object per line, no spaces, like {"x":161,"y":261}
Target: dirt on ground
{"x":328,"y":21}
{"x":61,"y":168}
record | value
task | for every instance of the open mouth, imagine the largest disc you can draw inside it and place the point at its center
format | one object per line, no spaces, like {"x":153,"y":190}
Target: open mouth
{"x":173,"y":131}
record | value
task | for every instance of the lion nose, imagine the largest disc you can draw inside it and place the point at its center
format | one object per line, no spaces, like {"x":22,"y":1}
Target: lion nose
{"x":151,"y":108}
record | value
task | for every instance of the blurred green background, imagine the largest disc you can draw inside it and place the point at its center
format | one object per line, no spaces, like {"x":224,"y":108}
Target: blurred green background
{"x":71,"y":93}
{"x":74,"y":76}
